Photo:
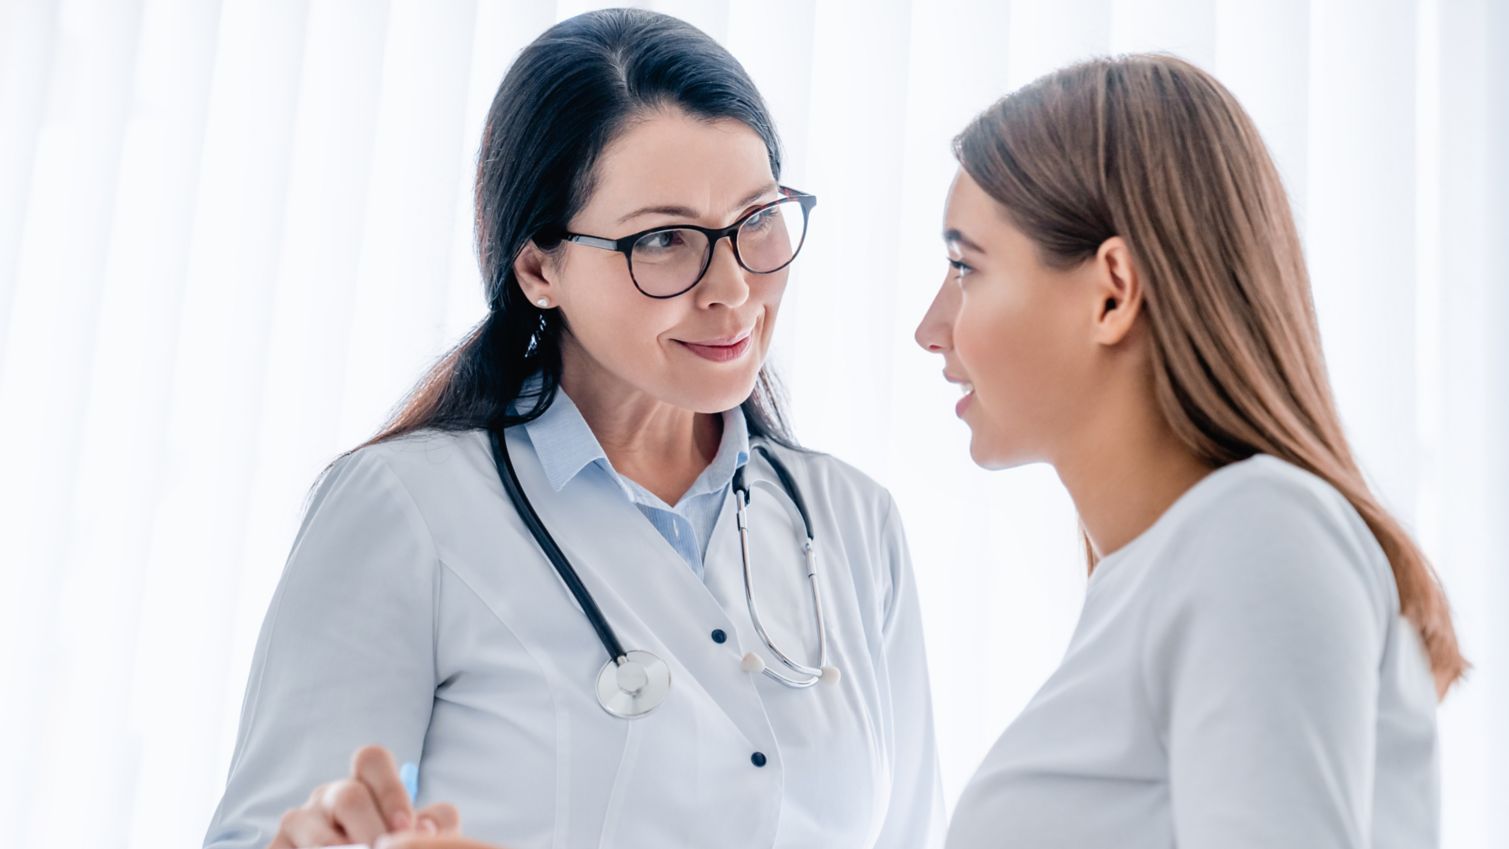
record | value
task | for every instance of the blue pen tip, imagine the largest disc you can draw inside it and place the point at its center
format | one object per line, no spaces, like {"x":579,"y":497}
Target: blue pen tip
{"x":409,"y":775}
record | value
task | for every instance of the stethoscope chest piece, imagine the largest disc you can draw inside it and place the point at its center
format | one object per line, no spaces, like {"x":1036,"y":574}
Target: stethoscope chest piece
{"x":635,"y":687}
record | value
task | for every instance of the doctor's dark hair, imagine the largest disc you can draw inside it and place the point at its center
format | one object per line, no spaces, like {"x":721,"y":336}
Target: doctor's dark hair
{"x":569,"y":94}
{"x":1154,"y":150}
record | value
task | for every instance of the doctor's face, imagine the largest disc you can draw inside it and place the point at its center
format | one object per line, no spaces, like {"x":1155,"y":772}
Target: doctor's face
{"x":1013,"y":333}
{"x":700,"y":350}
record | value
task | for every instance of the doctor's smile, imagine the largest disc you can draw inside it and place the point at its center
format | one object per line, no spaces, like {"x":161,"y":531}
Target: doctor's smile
{"x":590,"y":589}
{"x":721,"y":350}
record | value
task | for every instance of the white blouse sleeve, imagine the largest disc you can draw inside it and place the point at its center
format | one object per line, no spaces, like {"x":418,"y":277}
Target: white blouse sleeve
{"x":915,"y":819}
{"x":346,"y":653}
{"x":1263,"y":668}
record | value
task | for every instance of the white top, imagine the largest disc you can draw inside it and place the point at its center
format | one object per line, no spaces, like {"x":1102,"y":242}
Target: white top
{"x":417,"y":612}
{"x":1240,"y":677}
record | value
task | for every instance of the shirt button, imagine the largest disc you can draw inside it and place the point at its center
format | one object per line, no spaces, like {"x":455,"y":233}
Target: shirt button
{"x":719,"y":637}
{"x":758,"y":758}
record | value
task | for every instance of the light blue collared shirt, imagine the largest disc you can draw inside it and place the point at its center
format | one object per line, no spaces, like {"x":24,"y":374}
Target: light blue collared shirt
{"x":566,"y":447}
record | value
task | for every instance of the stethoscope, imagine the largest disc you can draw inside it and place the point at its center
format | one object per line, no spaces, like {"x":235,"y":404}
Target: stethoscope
{"x":633,"y":683}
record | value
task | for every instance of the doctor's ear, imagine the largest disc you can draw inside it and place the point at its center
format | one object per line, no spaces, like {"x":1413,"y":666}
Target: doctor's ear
{"x":535,"y":269}
{"x":1118,"y":288}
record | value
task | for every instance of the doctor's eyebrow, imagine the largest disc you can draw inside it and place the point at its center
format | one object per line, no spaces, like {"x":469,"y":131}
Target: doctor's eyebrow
{"x":953,"y":234}
{"x":688,"y":212}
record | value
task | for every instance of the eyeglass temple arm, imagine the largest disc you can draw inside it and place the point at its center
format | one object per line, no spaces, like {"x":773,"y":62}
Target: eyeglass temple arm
{"x":593,"y":242}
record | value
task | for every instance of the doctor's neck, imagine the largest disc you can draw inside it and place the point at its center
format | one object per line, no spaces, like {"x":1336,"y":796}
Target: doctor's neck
{"x":658,"y":445}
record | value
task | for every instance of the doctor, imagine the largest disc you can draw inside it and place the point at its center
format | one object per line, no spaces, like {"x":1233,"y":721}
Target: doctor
{"x":630,"y":690}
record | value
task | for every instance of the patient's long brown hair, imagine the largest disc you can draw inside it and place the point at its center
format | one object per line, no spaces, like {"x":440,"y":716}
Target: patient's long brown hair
{"x":1155,"y":150}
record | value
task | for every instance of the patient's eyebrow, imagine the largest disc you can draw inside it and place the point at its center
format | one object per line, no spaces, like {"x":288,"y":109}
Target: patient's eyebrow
{"x":954,"y":234}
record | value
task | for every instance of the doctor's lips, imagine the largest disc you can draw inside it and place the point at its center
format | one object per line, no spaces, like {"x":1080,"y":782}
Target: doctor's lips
{"x":721,"y":350}
{"x":964,"y":386}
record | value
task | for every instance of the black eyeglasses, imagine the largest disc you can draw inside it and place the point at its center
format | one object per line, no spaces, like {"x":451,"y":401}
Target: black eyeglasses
{"x":668,"y":261}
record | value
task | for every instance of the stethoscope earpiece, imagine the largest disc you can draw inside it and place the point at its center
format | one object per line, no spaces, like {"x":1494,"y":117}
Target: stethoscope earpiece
{"x":754,"y":665}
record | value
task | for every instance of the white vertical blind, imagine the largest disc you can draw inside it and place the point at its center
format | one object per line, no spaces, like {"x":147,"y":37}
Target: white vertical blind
{"x":1466,"y":471}
{"x":233,"y":233}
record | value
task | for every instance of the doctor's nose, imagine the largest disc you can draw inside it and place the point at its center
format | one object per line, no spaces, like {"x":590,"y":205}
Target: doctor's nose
{"x":725,"y":282}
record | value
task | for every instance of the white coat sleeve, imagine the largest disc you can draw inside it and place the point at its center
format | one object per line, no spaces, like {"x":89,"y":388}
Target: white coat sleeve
{"x":915,"y":818}
{"x":346,"y":653}
{"x":1265,"y":668}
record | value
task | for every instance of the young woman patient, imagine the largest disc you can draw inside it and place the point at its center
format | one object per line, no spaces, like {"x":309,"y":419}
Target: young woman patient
{"x":1261,"y":645}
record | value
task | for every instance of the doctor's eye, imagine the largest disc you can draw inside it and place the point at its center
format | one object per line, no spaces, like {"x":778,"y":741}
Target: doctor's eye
{"x":960,"y":267}
{"x":664,"y":240}
{"x":762,"y":220}
{"x":666,"y":245}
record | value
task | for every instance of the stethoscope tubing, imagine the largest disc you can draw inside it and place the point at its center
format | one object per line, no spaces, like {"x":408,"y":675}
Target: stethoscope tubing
{"x":573,"y":581}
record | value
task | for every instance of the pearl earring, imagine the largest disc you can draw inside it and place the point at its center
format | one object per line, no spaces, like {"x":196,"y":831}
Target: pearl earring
{"x":542,"y":303}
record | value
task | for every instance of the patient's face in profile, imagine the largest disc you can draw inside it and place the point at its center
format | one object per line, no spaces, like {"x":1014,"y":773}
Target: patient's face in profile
{"x":1014,"y":331}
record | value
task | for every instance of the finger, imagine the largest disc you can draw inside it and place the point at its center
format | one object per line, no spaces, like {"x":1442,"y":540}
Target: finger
{"x":443,"y":815}
{"x":374,"y":767}
{"x":283,"y":839}
{"x":305,"y":827}
{"x":351,"y":805}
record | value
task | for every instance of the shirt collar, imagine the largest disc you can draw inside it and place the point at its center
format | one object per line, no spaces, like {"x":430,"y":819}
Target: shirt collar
{"x":566,"y":446}
{"x":733,"y":452}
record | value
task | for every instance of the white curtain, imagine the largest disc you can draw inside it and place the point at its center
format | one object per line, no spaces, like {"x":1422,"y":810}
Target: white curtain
{"x":233,"y":233}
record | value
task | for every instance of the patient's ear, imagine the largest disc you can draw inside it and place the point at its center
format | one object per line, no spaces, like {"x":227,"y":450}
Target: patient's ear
{"x":1119,"y":291}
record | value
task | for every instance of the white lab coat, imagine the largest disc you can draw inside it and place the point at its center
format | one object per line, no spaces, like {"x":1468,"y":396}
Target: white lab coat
{"x":416,"y":612}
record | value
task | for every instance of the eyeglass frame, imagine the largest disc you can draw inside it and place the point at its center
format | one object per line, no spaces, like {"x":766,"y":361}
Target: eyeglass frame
{"x":714,"y":235}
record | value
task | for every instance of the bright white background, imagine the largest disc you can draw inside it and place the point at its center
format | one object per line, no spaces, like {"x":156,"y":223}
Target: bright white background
{"x":233,"y":233}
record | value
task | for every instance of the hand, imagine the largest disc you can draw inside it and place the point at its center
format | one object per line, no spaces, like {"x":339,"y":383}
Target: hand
{"x":362,"y":807}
